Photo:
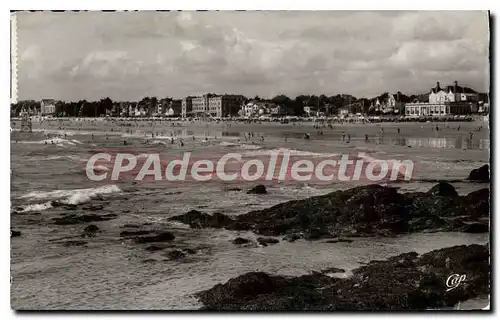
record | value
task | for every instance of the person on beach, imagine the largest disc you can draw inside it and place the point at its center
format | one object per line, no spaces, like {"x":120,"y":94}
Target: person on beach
{"x":399,"y":131}
{"x":92,"y":136}
{"x":193,"y":138}
{"x":366,"y":137}
{"x":306,"y":136}
{"x":343,"y":136}
{"x":182,"y":143}
{"x":348,"y":138}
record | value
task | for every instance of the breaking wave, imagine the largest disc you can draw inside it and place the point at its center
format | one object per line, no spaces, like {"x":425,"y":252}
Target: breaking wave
{"x":240,"y":145}
{"x":75,"y":196}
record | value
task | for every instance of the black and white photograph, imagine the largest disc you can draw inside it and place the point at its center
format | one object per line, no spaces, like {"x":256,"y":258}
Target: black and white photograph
{"x":250,"y":160}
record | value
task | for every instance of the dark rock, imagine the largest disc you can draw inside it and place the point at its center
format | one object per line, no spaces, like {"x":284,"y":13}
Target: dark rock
{"x":127,"y":233}
{"x":197,"y":219}
{"x":370,"y":210}
{"x":479,"y":195}
{"x":93,"y":207}
{"x":189,"y":251}
{"x":233,"y":189}
{"x":267,"y":241}
{"x":14,"y":233}
{"x":240,"y":241}
{"x":154,"y":247}
{"x":175,"y":254}
{"x":443,"y":189}
{"x":74,"y":243}
{"x":292,"y":237}
{"x":316,"y":233}
{"x":481,"y":175}
{"x":91,"y":228}
{"x":333,"y":270}
{"x":90,"y":231}
{"x":71,"y":207}
{"x":247,"y":285}
{"x":259,"y":189}
{"x":476,"y":228}
{"x":339,"y":240}
{"x":76,"y":219}
{"x":161,"y":237}
{"x":403,"y":282}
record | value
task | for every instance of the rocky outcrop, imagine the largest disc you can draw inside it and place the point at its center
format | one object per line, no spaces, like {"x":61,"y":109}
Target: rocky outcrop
{"x":259,"y":189}
{"x":443,"y":189}
{"x":481,"y":174}
{"x":175,"y":254}
{"x":240,"y":241}
{"x":371,"y":210}
{"x":196,"y":219}
{"x":90,"y":230}
{"x":404,"y":282}
{"x":476,"y":227}
{"x":82,"y":218}
{"x":160,"y":237}
{"x":267,"y":241}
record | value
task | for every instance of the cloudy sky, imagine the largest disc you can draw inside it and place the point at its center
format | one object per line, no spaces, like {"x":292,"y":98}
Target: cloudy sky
{"x":129,"y":55}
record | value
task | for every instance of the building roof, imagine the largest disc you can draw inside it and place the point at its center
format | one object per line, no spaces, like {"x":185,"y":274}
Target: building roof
{"x":454,"y":89}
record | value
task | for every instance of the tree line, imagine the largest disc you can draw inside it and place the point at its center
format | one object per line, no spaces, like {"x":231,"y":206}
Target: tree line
{"x":294,"y":106}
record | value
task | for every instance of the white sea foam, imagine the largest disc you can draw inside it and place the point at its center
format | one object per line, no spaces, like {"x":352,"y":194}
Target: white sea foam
{"x":56,"y":141}
{"x":70,"y":157}
{"x":240,"y":145}
{"x":37,"y":207}
{"x":291,"y":152}
{"x":228,"y":144}
{"x":74,"y":196}
{"x":158,"y":142}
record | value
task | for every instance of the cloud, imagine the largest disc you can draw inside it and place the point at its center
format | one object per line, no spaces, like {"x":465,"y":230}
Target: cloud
{"x":129,"y":55}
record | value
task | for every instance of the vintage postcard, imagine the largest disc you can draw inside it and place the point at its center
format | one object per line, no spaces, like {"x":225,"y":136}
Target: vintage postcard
{"x":250,"y":160}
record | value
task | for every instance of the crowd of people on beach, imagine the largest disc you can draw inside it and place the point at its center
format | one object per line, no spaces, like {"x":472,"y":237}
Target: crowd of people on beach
{"x":131,"y":127}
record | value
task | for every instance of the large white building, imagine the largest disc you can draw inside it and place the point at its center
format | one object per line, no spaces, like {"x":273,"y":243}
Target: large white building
{"x":450,"y":100}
